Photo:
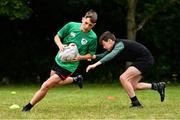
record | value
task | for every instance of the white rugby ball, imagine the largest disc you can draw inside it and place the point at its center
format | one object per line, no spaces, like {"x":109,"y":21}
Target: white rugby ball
{"x":69,"y":52}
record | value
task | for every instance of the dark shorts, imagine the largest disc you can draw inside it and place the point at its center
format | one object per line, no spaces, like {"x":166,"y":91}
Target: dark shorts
{"x":144,"y":65}
{"x":61,"y":72}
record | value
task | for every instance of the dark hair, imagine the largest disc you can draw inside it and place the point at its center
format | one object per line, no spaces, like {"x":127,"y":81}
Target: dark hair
{"x":92,"y":15}
{"x":107,"y":35}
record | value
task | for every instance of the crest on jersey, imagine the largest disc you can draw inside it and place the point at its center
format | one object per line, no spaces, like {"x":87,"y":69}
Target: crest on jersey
{"x":83,"y":41}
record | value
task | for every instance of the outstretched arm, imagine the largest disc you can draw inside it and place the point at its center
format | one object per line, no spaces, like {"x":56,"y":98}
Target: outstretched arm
{"x":107,"y":56}
{"x":92,"y":66}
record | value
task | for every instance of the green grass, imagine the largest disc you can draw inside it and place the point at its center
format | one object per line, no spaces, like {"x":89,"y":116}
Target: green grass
{"x":70,"y":102}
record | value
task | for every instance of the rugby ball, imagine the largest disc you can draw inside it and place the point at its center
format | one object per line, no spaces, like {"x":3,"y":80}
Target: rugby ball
{"x":69,"y":52}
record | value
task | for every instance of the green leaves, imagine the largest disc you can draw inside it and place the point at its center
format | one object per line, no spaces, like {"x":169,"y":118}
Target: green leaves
{"x":15,"y":9}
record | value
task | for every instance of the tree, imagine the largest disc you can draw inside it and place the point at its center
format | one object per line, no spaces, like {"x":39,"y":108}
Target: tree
{"x":15,"y":9}
{"x":160,"y":32}
{"x":150,"y":9}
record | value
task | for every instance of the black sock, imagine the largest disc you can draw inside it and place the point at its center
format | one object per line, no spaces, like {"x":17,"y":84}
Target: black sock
{"x":74,"y":79}
{"x":134,"y":99}
{"x":29,"y":106}
{"x":154,"y":86}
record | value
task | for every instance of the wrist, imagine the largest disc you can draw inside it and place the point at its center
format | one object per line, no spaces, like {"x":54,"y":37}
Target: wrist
{"x":98,"y":63}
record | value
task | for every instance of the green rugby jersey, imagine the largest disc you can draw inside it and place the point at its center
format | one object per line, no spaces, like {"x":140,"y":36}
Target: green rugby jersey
{"x":86,"y":43}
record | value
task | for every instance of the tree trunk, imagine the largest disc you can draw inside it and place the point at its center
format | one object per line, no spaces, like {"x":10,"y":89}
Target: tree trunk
{"x":131,"y":23}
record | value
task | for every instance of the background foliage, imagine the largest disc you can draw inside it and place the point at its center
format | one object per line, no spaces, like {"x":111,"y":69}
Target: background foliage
{"x":27,"y":29}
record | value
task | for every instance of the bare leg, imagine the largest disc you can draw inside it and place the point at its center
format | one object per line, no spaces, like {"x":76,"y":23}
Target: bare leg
{"x":129,"y":80}
{"x":40,"y":94}
{"x":77,"y":80}
{"x":53,"y":81}
{"x":140,"y":85}
{"x":68,"y":80}
{"x":131,"y":74}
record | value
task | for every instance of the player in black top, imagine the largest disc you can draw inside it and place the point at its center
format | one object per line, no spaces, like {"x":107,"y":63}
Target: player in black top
{"x":142,"y":62}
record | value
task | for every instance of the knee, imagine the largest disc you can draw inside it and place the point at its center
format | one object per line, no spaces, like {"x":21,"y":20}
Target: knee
{"x":134,"y":85}
{"x":45,"y":86}
{"x":122,"y":79}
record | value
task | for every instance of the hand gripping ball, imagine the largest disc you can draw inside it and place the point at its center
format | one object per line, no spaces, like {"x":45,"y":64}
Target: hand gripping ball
{"x":69,"y":52}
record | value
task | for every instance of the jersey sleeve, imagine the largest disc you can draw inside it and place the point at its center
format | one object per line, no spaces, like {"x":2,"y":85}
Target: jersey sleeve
{"x":101,"y":55}
{"x":63,"y":32}
{"x":117,"y":49}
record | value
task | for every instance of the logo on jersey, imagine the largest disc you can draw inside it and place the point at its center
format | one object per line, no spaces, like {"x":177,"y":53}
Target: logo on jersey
{"x":72,"y":34}
{"x":83,"y":41}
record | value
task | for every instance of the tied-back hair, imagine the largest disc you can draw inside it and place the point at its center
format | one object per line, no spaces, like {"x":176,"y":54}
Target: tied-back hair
{"x":92,"y":15}
{"x":105,"y":36}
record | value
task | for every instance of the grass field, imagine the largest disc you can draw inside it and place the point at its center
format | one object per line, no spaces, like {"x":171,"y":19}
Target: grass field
{"x":70,"y":102}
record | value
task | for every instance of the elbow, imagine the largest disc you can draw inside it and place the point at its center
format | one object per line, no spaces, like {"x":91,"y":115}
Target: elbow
{"x":56,"y":38}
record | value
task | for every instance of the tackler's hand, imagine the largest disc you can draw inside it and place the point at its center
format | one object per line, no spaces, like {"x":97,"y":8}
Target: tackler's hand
{"x":90,"y":67}
{"x":93,"y":66}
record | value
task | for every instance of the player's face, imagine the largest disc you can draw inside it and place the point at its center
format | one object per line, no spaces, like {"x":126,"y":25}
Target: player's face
{"x":86,"y":24}
{"x":108,"y":45}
